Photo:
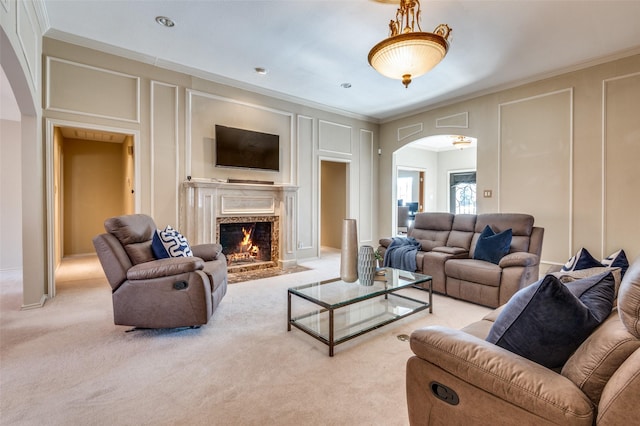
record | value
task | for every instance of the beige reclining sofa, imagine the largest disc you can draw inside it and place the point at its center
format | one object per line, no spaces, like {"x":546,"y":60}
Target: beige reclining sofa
{"x":448,"y":244}
{"x":456,"y":377}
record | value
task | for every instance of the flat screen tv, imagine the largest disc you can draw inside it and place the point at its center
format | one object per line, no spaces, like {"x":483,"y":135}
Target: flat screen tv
{"x":246,"y":149}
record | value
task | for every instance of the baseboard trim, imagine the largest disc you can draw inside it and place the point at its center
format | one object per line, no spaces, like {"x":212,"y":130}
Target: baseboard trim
{"x":35,"y":305}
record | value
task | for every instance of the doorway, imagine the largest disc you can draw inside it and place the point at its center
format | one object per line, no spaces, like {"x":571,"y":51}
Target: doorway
{"x":462,"y":192}
{"x":93,"y":177}
{"x":333,"y":202}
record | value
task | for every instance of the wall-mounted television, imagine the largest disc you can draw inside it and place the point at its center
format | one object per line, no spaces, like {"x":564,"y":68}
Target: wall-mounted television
{"x":246,"y":149}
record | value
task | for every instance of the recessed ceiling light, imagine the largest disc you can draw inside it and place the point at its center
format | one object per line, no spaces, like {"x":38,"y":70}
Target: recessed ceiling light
{"x":346,"y":85}
{"x":261,"y":71}
{"x":164,"y":21}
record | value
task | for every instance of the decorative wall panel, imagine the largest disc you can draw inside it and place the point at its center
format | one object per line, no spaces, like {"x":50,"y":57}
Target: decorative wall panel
{"x":29,"y":38}
{"x":307,"y":206}
{"x":334,"y":138}
{"x":456,"y":120}
{"x":621,"y":141}
{"x":164,"y":153}
{"x":365,"y":193}
{"x":204,"y":111}
{"x":97,"y":92}
{"x":535,"y":165}
{"x":407,"y":131}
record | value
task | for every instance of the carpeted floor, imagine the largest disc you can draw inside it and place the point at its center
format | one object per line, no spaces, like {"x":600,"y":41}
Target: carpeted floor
{"x":67,"y":364}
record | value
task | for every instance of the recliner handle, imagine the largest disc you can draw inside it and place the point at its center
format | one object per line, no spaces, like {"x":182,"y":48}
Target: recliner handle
{"x":180,"y":285}
{"x":444,"y":393}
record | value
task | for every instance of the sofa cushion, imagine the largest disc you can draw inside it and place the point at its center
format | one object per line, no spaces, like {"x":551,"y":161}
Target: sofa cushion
{"x":475,"y":271}
{"x":547,"y":321}
{"x":491,"y":246}
{"x":594,"y":362}
{"x":170,"y":243}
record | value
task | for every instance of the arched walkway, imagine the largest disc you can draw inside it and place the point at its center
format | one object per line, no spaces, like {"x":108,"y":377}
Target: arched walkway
{"x":35,"y":275}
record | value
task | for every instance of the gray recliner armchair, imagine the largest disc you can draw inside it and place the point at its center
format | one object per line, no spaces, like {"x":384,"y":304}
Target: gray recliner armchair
{"x":158,"y":293}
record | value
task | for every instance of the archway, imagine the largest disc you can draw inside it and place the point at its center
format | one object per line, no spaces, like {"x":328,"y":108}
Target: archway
{"x":36,"y":277}
{"x":431,"y":160}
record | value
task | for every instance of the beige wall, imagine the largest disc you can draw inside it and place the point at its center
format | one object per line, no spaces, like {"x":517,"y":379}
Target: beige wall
{"x":563,"y":149}
{"x":175,"y":113}
{"x":11,"y":196}
{"x":93,"y":191}
{"x":333,"y":202}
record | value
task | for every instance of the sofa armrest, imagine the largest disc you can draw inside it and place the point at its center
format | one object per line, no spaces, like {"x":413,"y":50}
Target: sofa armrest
{"x":522,"y":258}
{"x":384,"y":242}
{"x":451,"y":250}
{"x":495,"y":370}
{"x":164,"y":268}
{"x":206,"y":252}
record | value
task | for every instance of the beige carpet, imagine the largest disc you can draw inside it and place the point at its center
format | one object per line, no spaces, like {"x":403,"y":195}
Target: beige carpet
{"x":67,"y":364}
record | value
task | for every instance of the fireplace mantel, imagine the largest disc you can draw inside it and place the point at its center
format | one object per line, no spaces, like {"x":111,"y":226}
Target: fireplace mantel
{"x":206,"y":199}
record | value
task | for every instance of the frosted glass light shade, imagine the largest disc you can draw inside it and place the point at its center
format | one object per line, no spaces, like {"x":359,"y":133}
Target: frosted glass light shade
{"x":406,"y":56}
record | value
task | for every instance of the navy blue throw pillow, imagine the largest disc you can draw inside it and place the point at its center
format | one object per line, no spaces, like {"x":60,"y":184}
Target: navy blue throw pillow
{"x":548,"y":320}
{"x":617,"y":260}
{"x":582,"y":260}
{"x":491,"y":246}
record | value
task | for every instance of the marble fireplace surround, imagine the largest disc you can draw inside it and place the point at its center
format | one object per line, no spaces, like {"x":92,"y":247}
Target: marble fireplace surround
{"x":274,"y":242}
{"x":208,"y":202}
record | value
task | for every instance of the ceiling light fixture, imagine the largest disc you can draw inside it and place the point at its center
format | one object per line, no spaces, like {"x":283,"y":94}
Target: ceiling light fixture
{"x":164,"y":21}
{"x":261,"y":71}
{"x":461,"y":142}
{"x":346,"y":85}
{"x":407,"y":53}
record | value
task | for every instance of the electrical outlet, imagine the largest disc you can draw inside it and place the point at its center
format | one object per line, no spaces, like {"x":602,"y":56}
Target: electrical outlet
{"x":488,"y":193}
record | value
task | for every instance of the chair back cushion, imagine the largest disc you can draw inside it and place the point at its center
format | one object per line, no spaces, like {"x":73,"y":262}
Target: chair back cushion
{"x":432,"y":229}
{"x":600,"y":355}
{"x":135,"y":233}
{"x":462,"y":231}
{"x":521,"y":227}
{"x":629,"y":299}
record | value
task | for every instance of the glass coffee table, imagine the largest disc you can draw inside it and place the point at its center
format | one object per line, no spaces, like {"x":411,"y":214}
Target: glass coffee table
{"x":335,"y":311}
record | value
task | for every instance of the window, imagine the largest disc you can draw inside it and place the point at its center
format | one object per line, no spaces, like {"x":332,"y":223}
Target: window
{"x":462,"y":192}
{"x":405,"y":189}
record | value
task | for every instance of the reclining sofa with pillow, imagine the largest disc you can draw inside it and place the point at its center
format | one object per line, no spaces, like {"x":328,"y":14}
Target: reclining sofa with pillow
{"x":449,"y":253}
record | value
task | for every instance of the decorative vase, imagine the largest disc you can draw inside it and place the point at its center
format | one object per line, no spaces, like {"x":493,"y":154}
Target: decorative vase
{"x":366,"y":265}
{"x":349,"y":251}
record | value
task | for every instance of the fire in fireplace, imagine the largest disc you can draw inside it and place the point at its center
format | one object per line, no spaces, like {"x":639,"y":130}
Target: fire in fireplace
{"x":248,"y":244}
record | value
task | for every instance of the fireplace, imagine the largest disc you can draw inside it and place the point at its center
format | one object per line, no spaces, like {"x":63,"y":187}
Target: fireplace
{"x":248,"y":242}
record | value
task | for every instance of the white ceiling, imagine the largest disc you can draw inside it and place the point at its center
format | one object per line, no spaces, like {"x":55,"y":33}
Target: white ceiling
{"x":311,"y":47}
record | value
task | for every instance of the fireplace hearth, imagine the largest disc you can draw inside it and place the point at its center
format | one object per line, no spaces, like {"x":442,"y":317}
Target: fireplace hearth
{"x":248,"y":242}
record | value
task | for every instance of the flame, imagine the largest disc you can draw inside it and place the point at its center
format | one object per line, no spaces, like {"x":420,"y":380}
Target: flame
{"x":247,"y":245}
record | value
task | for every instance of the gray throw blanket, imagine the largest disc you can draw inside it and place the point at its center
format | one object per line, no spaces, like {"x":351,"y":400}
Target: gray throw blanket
{"x":401,"y":253}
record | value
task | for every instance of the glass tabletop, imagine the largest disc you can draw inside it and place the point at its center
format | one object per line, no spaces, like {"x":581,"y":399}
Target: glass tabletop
{"x":335,"y":293}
